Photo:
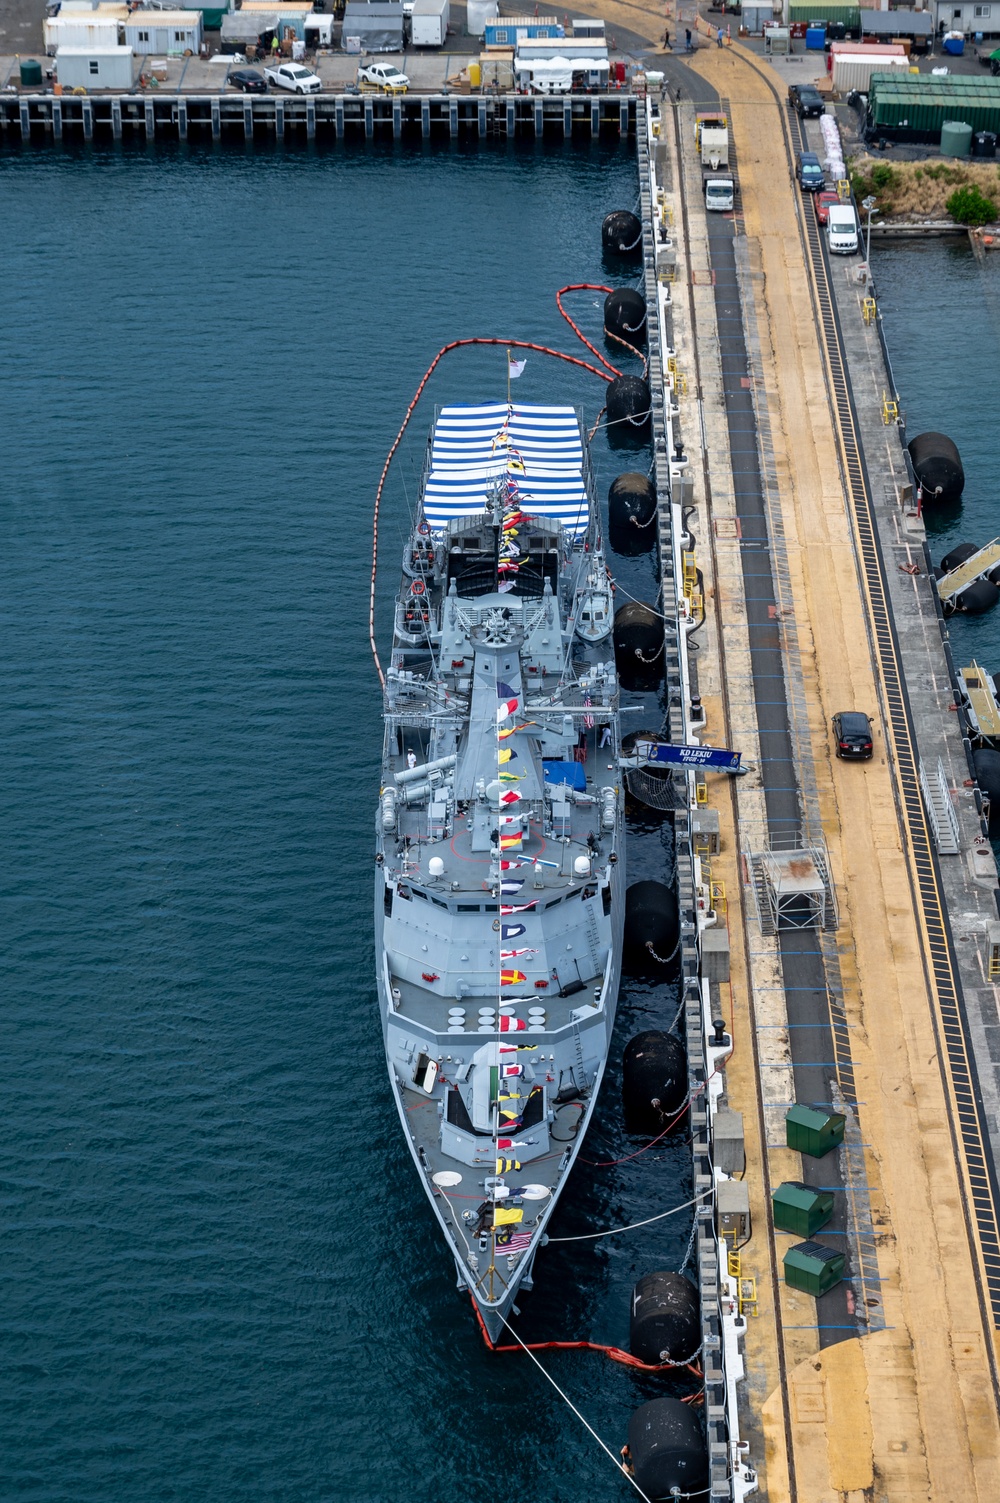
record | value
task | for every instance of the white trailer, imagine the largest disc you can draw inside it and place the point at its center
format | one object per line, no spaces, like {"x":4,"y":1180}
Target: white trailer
{"x":94,"y":67}
{"x":429,"y":23}
{"x":852,"y":70}
{"x":80,"y":29}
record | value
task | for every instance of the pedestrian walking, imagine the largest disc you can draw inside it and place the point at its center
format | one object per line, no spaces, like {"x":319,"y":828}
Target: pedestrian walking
{"x":718,"y":37}
{"x":666,"y":41}
{"x":687,"y":39}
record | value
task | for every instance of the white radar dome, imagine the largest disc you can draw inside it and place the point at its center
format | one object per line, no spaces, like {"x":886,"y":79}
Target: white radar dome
{"x":435,"y":867}
{"x":581,"y":866}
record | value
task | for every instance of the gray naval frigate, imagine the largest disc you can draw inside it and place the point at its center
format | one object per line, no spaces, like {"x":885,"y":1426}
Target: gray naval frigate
{"x":500,"y":873}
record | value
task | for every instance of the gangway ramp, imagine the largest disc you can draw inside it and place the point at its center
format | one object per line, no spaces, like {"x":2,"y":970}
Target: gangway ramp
{"x":984,"y":712}
{"x":980,"y":563}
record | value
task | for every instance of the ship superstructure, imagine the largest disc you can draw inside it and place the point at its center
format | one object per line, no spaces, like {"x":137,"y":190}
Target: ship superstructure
{"x":500,"y":865}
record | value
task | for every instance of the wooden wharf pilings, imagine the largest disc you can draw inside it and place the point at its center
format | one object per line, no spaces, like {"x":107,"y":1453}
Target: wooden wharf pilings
{"x":320,"y":117}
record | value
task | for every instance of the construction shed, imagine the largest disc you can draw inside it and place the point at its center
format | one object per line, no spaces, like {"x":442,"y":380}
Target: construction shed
{"x":162,"y":32}
{"x":916,"y":25}
{"x":242,"y":29}
{"x":914,"y":106}
{"x":378,"y":26}
{"x":291,"y":18}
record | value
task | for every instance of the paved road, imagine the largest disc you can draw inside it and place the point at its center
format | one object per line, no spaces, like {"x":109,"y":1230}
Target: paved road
{"x":21,"y":27}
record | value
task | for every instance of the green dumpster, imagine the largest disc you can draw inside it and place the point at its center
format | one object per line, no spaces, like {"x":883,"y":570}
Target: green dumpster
{"x":813,"y":1268}
{"x":800,"y":1209}
{"x":814,"y":1130}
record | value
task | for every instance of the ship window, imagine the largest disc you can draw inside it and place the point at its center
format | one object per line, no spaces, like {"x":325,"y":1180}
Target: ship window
{"x":439,"y":902}
{"x":606,"y":899}
{"x":585,"y":616}
{"x":468,"y":907}
{"x":553,"y":903}
{"x":404,"y":892}
{"x":387,"y":901}
{"x":418,"y":894}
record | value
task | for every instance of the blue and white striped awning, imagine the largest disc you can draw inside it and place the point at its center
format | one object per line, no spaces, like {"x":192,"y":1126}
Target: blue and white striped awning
{"x":471,"y":448}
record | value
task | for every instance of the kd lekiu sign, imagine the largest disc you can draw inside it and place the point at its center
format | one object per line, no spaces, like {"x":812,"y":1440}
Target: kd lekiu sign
{"x":689,"y":756}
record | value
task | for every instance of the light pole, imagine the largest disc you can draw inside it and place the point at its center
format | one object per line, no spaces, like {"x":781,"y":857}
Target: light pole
{"x":869,"y":205}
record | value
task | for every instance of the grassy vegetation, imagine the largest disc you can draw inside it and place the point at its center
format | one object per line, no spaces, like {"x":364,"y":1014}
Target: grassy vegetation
{"x":926,"y":190}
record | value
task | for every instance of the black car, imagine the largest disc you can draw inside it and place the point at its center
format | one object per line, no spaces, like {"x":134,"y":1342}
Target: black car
{"x":806,"y":100}
{"x":853,"y":732}
{"x":809,"y":172}
{"x":248,"y":80}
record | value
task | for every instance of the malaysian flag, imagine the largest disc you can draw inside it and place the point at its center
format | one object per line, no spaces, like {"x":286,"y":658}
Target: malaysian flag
{"x":588,"y":719}
{"x":519,"y":1242}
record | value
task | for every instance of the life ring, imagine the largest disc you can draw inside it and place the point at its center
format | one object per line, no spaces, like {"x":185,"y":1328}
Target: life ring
{"x":424,"y":529}
{"x":417,"y":587}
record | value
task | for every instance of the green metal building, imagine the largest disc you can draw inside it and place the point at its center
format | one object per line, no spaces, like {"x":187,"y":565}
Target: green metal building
{"x":850,"y":15}
{"x":914,"y":106}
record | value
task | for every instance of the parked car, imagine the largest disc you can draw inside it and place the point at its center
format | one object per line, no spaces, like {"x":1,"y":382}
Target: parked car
{"x":384,"y":76}
{"x":294,"y":77}
{"x":809,"y":172}
{"x":248,"y":80}
{"x":824,"y":200}
{"x":842,"y":230}
{"x":806,"y":100}
{"x":853,"y":734}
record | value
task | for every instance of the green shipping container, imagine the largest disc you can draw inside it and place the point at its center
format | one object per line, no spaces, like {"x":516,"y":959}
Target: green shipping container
{"x":211,"y":16}
{"x":800,"y":1209}
{"x":916,"y":105}
{"x":849,"y":14}
{"x":814,"y":1130}
{"x":813,"y":1268}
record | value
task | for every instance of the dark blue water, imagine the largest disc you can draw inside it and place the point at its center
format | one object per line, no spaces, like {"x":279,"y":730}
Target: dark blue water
{"x":220,"y":1278}
{"x":941,"y":309}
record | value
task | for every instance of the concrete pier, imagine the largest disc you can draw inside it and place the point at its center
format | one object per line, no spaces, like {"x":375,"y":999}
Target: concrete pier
{"x":881,"y":1005}
{"x":325,"y":118}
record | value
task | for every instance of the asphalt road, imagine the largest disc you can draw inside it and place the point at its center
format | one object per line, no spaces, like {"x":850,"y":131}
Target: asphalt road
{"x":21,"y":27}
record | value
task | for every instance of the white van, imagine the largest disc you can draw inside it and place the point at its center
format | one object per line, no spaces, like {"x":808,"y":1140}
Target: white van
{"x":842,"y":230}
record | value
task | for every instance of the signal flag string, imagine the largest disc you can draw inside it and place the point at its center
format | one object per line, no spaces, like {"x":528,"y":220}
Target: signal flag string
{"x":456,"y":344}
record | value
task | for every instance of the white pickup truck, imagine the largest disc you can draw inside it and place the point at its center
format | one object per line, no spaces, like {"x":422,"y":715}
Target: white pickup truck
{"x":383,"y":76}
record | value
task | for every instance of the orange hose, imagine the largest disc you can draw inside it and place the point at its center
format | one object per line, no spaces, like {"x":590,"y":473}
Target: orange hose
{"x":632,"y":349}
{"x":614,"y":1352}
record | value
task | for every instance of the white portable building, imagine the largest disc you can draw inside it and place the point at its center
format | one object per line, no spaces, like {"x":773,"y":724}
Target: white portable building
{"x":80,"y":29}
{"x":477,"y":15}
{"x":163,"y":31}
{"x":588,"y":26}
{"x":429,"y":23}
{"x":94,"y":67}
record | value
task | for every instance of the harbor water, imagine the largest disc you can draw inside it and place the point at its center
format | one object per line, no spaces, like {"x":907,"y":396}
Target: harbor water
{"x":941,"y":313}
{"x":221,"y":1278}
